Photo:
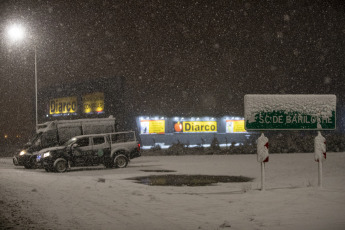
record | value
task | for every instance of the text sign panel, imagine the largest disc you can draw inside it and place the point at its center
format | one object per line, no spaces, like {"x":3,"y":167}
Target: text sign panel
{"x":290,"y":112}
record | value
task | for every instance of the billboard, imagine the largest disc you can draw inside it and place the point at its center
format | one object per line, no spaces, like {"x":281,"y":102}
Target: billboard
{"x":64,"y":105}
{"x":195,"y":126}
{"x":152,"y":126}
{"x":235,"y":126}
{"x":93,"y":103}
{"x":290,"y":112}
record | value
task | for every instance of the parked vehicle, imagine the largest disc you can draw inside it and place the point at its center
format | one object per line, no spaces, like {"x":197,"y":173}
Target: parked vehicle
{"x":55,"y":133}
{"x":111,"y":150}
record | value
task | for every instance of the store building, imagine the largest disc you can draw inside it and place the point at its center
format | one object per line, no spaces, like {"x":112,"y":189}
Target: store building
{"x":106,"y":97}
{"x":191,"y":131}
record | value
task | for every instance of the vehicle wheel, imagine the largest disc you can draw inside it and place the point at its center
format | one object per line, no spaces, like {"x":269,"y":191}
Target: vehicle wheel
{"x":27,"y":166}
{"x":15,"y":161}
{"x":120,"y":161}
{"x":33,"y":162}
{"x":47,"y":169}
{"x":60,"y":165}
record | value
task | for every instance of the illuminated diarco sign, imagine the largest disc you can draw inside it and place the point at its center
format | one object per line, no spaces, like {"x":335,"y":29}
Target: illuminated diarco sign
{"x":196,"y":126}
{"x":152,"y":126}
{"x":63,"y":105}
{"x":93,"y":103}
{"x":235,"y":126}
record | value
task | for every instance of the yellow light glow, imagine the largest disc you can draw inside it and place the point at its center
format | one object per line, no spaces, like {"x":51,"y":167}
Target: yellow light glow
{"x":63,"y":105}
{"x":152,"y":126}
{"x":93,"y":102}
{"x":235,"y":126}
{"x":199,"y":126}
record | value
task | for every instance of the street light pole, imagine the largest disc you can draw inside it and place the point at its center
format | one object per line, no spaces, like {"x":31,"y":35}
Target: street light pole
{"x":36,"y":86}
{"x":16,"y":32}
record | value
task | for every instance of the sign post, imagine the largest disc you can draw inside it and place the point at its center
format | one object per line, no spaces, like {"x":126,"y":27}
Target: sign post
{"x":262,"y":150}
{"x":320,"y":154}
{"x":291,"y":112}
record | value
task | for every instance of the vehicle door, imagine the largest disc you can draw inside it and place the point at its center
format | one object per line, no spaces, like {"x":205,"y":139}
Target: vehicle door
{"x":82,"y":149}
{"x":101,"y":146}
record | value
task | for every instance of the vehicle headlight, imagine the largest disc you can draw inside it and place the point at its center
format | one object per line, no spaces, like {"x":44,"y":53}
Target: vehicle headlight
{"x":23,"y":152}
{"x":47,"y":154}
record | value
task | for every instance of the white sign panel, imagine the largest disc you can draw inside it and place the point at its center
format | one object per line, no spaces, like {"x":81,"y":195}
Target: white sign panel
{"x":289,"y":112}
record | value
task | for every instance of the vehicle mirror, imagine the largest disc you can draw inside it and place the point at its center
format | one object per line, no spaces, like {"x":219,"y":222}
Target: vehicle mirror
{"x":74,"y":145}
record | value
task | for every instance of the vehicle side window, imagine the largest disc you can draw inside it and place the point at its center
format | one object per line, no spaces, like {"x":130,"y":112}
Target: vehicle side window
{"x":129,"y":136}
{"x":113,"y":138}
{"x":82,"y":142}
{"x":117,"y":138}
{"x":122,"y":137}
{"x":98,"y":140}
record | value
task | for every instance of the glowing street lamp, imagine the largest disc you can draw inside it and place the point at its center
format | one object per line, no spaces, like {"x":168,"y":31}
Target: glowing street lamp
{"x":16,"y":32}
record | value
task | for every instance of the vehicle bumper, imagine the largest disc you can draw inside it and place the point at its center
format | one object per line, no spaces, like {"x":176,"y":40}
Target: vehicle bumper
{"x":21,"y":160}
{"x":135,"y":154}
{"x":39,"y":161}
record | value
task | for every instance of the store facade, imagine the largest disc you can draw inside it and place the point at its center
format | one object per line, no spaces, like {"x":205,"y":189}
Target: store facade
{"x":191,"y":131}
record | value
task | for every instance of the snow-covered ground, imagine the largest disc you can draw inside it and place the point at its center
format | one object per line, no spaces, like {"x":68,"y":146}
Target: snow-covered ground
{"x":104,"y":199}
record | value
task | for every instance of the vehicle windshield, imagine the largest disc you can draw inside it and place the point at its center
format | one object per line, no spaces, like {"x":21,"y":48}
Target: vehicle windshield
{"x":70,"y":141}
{"x":34,"y":140}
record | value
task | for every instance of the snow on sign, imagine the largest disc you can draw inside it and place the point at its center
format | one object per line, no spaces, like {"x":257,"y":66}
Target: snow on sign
{"x":289,"y":112}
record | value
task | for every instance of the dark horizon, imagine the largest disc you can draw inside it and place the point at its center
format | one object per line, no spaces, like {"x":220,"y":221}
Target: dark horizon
{"x":177,"y":57}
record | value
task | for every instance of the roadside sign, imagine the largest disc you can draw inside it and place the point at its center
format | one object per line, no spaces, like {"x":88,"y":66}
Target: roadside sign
{"x":289,"y":112}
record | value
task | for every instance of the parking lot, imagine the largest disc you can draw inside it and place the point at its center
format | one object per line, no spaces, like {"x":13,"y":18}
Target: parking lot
{"x":95,"y":197}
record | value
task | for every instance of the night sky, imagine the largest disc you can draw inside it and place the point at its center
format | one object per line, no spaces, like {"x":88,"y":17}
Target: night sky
{"x":186,"y":58}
